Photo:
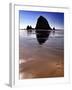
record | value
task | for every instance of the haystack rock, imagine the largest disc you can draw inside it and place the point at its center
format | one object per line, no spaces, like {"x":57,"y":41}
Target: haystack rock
{"x":42,"y":30}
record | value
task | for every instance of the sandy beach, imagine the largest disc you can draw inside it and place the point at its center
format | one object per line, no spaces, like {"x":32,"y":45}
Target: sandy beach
{"x":41,"y":61}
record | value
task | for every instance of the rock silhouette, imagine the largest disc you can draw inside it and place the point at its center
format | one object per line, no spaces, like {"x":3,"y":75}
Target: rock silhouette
{"x":53,"y":28}
{"x":42,"y":30}
{"x":29,"y":28}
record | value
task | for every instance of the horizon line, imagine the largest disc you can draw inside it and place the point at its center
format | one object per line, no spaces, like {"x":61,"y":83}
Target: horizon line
{"x":42,"y":29}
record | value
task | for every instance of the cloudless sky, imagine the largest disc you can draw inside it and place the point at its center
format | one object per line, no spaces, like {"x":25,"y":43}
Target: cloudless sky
{"x":55,"y":19}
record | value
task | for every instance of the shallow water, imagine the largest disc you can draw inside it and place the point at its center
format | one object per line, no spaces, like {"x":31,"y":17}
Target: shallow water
{"x":35,"y":59}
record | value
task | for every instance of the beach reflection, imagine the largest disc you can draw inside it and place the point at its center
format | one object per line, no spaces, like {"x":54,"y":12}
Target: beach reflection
{"x":40,"y":61}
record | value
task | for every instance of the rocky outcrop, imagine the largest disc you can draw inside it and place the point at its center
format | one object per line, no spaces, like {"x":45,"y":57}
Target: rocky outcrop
{"x":42,"y":30}
{"x":42,"y":23}
{"x":53,"y":28}
{"x":29,"y":27}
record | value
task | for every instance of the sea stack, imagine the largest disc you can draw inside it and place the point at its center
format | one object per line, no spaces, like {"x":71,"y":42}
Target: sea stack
{"x":42,"y":30}
{"x":53,"y":28}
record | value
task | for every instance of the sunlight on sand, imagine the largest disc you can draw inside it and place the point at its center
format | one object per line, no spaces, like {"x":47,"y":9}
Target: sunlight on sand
{"x":41,"y":69}
{"x":25,"y":75}
{"x":21,"y":61}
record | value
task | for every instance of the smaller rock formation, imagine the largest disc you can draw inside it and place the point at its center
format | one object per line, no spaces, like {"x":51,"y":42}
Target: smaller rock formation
{"x":53,"y":28}
{"x":29,"y":28}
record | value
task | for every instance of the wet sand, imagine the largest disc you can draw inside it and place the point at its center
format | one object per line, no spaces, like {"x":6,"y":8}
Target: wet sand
{"x":43,"y":61}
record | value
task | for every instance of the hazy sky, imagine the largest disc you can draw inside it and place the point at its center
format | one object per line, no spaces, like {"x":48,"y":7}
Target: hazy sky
{"x":55,"y":19}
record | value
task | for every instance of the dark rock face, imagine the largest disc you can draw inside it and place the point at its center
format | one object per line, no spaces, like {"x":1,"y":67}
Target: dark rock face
{"x":42,"y":30}
{"x":42,"y":23}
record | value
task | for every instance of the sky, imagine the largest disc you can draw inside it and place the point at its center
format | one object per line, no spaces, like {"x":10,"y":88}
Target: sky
{"x":55,"y":19}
